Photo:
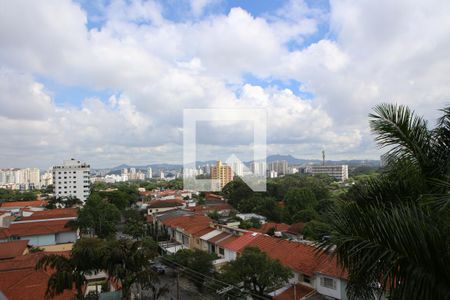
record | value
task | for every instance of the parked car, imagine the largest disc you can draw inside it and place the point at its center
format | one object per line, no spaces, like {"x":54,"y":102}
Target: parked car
{"x":158,"y":268}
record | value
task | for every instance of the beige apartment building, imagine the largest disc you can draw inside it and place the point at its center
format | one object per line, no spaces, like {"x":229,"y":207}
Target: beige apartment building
{"x":221,"y":172}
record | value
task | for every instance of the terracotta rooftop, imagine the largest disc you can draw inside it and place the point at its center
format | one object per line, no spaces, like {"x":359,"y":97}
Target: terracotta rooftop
{"x":211,"y":207}
{"x":267,"y":226}
{"x":297,"y":256}
{"x":190,"y":224}
{"x":34,"y":228}
{"x":300,"y":292}
{"x":242,"y":241}
{"x":212,"y":196}
{"x":20,"y":281}
{"x":219,"y":237}
{"x":34,"y":203}
{"x":165,"y":203}
{"x":296,"y":228}
{"x":227,"y":241}
{"x":51,"y":214}
{"x":13,"y":249}
{"x":203,"y":231}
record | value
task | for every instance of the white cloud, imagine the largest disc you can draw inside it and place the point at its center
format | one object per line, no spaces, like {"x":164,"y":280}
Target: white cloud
{"x":157,"y":67}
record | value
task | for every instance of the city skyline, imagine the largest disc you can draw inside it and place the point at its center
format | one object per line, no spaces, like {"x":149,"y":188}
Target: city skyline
{"x":107,"y":82}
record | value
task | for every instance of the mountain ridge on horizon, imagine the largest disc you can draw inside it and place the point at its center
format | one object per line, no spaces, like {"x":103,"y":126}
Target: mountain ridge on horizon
{"x":271,"y":158}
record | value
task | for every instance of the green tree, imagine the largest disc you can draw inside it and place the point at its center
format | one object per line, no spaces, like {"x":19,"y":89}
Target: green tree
{"x":251,"y":223}
{"x":214,"y":215}
{"x":195,"y":260}
{"x":256,"y":271}
{"x":300,"y":198}
{"x":135,"y":224}
{"x":128,"y":262}
{"x":71,"y":271}
{"x":235,"y":191}
{"x":268,"y":207}
{"x":305,"y":215}
{"x":248,"y":205}
{"x":98,"y":217}
{"x":392,"y":234}
{"x":63,"y":202}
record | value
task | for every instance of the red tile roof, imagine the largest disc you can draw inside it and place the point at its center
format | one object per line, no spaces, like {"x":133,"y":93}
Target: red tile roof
{"x":211,"y":196}
{"x":190,"y":224}
{"x":211,"y":207}
{"x":296,"y":228}
{"x":20,"y":281}
{"x":227,"y":241}
{"x":52,"y":214}
{"x":165,"y":203}
{"x":34,"y":228}
{"x":266,"y":226}
{"x":242,"y":241}
{"x":300,"y":292}
{"x":219,"y":237}
{"x":13,"y":249}
{"x":34,"y":203}
{"x":203,"y":231}
{"x":297,"y":256}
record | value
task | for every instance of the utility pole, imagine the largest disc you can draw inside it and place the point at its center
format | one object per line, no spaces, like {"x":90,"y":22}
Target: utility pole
{"x":323,"y":157}
{"x":295,"y":292}
{"x":178,"y":286}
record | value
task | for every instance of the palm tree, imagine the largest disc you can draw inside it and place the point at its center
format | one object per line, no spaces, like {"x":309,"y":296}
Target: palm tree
{"x":71,"y":271}
{"x":393,"y":232}
{"x":127,"y":261}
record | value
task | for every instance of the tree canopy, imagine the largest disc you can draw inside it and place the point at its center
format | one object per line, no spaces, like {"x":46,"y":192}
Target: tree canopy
{"x":256,"y":271}
{"x":392,"y":233}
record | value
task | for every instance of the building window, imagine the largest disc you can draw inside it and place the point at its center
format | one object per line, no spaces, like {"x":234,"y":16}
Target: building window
{"x":328,"y":282}
{"x":221,"y":251}
{"x":306,"y":279}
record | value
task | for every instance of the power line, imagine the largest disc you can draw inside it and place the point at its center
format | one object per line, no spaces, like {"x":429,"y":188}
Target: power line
{"x":224,"y":284}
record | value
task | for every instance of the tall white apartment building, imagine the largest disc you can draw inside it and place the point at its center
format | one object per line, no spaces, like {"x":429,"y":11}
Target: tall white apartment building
{"x":72,"y":179}
{"x":27,"y":178}
{"x":149,"y":172}
{"x":237,"y":168}
{"x":47,"y":178}
{"x":279,"y":166}
{"x":340,"y":172}
{"x":259,"y":168}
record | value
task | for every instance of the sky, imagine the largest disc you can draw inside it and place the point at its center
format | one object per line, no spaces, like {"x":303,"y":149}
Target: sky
{"x":107,"y":81}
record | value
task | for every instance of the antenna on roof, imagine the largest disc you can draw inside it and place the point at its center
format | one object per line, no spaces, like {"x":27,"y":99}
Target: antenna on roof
{"x":323,"y":157}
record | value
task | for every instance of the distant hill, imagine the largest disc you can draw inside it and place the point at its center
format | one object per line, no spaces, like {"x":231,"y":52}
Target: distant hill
{"x":271,"y":158}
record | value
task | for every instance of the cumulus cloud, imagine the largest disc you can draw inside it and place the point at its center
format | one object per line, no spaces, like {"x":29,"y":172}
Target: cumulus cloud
{"x":156,"y":67}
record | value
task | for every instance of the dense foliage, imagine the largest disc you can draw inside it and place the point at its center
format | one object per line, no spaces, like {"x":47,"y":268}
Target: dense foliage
{"x":256,"y":271}
{"x":393,"y":231}
{"x":124,"y":260}
{"x":289,"y":199}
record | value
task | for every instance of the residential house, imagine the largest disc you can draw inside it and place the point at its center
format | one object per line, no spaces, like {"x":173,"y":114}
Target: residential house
{"x":266,"y":227}
{"x":12,"y":249}
{"x":19,"y":280}
{"x":45,"y":229}
{"x":182,"y":229}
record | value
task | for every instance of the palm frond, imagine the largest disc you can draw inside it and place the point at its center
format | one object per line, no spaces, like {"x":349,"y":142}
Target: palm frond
{"x":405,"y":134}
{"x":395,"y":250}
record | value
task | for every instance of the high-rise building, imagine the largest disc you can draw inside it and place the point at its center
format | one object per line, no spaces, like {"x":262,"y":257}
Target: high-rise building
{"x":149,"y":172}
{"x":259,"y":168}
{"x":279,"y":166}
{"x":238,"y":168}
{"x":72,"y":179}
{"x":340,"y":172}
{"x":223,"y":173}
{"x":47,"y":178}
{"x":24,"y":179}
